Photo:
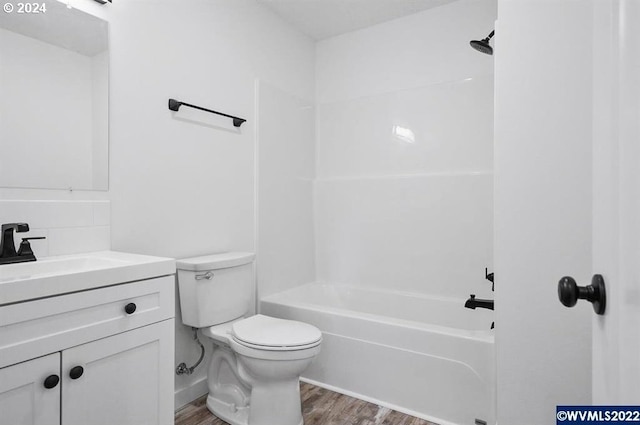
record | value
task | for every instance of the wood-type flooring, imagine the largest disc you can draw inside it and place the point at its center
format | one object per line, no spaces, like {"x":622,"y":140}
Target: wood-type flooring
{"x":319,"y":407}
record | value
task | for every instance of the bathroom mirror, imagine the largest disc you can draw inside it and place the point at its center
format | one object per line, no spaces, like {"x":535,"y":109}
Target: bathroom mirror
{"x":54,"y":96}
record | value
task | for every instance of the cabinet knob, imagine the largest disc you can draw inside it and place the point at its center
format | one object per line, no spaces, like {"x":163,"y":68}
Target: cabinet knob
{"x":130,"y":308}
{"x":76,"y":372}
{"x":51,"y":381}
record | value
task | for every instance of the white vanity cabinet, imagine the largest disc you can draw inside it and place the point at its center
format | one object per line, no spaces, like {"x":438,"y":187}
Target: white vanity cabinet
{"x":24,"y":400}
{"x":93,"y":357}
{"x":124,"y":379}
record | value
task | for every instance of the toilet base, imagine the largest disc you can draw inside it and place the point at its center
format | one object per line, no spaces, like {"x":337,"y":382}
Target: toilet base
{"x":228,"y":412}
{"x":249,"y":386}
{"x":276,"y":403}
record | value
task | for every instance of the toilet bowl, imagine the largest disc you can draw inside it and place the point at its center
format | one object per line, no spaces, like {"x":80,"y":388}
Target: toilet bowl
{"x":254,"y":371}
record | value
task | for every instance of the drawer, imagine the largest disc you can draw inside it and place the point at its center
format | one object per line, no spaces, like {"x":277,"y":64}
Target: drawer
{"x":40,"y":327}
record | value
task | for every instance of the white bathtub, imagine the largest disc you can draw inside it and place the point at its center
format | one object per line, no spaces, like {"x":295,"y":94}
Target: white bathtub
{"x":426,"y":356}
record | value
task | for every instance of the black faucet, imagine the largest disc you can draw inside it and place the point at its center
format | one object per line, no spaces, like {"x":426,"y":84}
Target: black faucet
{"x":474,"y":303}
{"x":489,"y":277}
{"x":8,"y":254}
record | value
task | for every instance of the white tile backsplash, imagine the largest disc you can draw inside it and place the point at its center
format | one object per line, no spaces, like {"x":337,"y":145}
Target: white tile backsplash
{"x":101,"y":213}
{"x":70,"y":227}
{"x":74,"y":240}
{"x":47,"y":214}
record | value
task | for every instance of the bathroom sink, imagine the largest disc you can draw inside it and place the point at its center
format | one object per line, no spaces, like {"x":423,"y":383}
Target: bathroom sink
{"x":53,"y":266}
{"x":71,"y":273}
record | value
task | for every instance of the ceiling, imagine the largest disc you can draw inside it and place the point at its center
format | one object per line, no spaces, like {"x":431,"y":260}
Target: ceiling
{"x":321,"y":19}
{"x":70,"y":29}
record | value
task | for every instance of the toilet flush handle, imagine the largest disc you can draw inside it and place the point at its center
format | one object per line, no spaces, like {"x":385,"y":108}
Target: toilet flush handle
{"x":207,"y":275}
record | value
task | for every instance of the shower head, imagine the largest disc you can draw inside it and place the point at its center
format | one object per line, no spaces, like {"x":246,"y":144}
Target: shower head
{"x":483,"y":45}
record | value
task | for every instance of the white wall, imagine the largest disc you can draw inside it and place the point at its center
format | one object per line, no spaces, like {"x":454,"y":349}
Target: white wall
{"x":409,"y":52}
{"x":286,"y":169}
{"x":542,"y":206}
{"x":394,"y":213}
{"x":616,"y":207}
{"x":182,"y":184}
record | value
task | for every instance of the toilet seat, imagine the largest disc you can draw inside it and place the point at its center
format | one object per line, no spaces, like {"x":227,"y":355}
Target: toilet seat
{"x":261,"y":332}
{"x":266,"y":333}
{"x":269,"y":348}
{"x":278,"y":355}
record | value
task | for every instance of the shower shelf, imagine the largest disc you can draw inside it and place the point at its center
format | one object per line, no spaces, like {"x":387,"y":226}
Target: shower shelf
{"x":175,"y":105}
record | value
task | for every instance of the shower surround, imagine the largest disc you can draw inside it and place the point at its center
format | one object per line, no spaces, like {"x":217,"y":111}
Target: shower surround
{"x":404,"y":156}
{"x":381,"y":241}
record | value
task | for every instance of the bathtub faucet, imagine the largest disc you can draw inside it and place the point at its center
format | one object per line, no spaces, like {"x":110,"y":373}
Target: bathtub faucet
{"x":474,"y":303}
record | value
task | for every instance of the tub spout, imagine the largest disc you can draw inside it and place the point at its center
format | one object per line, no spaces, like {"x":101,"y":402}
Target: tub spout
{"x":474,"y":303}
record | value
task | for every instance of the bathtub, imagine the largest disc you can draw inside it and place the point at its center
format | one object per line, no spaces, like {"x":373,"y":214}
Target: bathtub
{"x":425,"y":356}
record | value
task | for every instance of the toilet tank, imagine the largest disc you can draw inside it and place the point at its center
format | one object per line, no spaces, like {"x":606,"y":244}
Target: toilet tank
{"x":215,"y":288}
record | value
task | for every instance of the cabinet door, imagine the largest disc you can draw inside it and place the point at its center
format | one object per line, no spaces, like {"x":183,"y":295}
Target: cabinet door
{"x":125,"y":379}
{"x":24,"y":399}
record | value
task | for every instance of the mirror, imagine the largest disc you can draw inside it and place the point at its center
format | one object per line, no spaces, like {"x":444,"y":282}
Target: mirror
{"x":54,"y":96}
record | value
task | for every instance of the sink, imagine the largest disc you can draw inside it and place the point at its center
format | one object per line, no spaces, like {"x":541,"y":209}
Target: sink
{"x":71,"y":273}
{"x":53,"y":266}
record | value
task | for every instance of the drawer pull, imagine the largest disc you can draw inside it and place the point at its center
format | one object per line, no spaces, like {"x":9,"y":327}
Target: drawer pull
{"x":76,"y":372}
{"x":130,"y":308}
{"x":51,"y":381}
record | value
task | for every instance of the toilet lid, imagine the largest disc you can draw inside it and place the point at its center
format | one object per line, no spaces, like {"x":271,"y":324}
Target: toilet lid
{"x":268,"y":331}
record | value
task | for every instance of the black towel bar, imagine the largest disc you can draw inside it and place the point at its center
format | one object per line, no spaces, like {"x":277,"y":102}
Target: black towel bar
{"x":174,"y":105}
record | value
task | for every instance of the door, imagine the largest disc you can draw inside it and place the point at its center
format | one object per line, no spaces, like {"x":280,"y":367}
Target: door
{"x":567,"y":202}
{"x":30,"y":392}
{"x":125,"y":379}
{"x":542,"y":206}
{"x":616,"y":200}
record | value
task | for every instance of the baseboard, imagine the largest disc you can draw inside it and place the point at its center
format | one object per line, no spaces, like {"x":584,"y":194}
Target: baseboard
{"x":377,"y":402}
{"x":186,"y":395}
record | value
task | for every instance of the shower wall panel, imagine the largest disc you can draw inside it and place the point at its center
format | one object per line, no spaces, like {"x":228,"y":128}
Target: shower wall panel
{"x":405,"y":154}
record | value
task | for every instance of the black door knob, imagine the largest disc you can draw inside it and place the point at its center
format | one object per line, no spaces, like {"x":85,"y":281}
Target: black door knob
{"x":569,"y":292}
{"x":76,"y":372}
{"x":51,"y":381}
{"x":130,"y":308}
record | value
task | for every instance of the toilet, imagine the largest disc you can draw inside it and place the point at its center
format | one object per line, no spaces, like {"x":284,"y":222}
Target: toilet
{"x":255,"y":367}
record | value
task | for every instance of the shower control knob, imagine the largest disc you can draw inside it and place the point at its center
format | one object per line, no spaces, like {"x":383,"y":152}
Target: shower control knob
{"x":569,"y":293}
{"x":130,"y":308}
{"x":51,"y":381}
{"x":76,"y":372}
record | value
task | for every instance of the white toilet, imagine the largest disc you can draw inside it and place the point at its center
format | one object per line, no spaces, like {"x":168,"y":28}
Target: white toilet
{"x":255,"y":367}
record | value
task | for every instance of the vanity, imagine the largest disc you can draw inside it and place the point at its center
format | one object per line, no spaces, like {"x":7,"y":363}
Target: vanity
{"x":87,"y":339}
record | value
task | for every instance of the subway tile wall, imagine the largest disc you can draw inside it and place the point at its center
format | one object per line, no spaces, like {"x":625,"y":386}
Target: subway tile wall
{"x":70,"y":227}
